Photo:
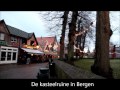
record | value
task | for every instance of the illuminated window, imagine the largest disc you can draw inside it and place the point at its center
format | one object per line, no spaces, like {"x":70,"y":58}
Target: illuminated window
{"x":32,"y":43}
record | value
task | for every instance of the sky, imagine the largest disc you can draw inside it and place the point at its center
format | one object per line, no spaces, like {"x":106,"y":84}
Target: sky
{"x":115,"y":26}
{"x":31,"y":21}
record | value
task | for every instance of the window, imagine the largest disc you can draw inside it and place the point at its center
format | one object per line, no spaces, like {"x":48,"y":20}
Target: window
{"x":24,"y":41}
{"x":32,"y":43}
{"x":10,"y":49}
{"x":3,"y":56}
{"x":9,"y":56}
{"x":14,"y":50}
{"x":3,"y":48}
{"x":2,"y":35}
{"x":14,"y":56}
{"x":13,"y":39}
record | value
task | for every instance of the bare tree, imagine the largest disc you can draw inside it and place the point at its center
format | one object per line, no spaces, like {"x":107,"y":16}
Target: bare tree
{"x":71,"y":35}
{"x":101,"y":65}
{"x":54,"y":18}
{"x":62,"y":39}
{"x":53,"y":21}
{"x":84,"y":24}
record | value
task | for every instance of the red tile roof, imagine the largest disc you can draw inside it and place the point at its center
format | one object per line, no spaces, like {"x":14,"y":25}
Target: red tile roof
{"x":45,"y":40}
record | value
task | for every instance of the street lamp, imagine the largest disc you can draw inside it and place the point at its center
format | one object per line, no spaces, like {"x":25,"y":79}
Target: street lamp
{"x":37,"y":46}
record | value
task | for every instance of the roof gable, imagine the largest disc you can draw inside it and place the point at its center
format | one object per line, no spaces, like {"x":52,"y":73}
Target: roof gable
{"x":2,"y":22}
{"x":30,"y":35}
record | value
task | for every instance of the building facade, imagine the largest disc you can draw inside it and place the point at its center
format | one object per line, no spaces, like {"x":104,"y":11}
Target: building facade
{"x":12,"y":40}
{"x":114,"y":51}
{"x":49,"y":45}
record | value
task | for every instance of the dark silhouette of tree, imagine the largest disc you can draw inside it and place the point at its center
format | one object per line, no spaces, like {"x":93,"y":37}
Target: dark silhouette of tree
{"x":71,"y":35}
{"x":101,"y":65}
{"x":62,"y":38}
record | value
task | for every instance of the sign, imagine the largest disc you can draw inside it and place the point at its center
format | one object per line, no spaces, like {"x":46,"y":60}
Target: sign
{"x":3,"y":43}
{"x":30,"y":47}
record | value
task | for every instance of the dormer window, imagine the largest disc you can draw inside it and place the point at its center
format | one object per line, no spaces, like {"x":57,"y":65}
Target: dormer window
{"x":13,"y":39}
{"x":32,"y":43}
{"x":24,"y":41}
{"x":2,"y":36}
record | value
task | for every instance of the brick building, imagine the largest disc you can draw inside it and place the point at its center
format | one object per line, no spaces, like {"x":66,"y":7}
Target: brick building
{"x":13,"y":40}
{"x":49,"y":45}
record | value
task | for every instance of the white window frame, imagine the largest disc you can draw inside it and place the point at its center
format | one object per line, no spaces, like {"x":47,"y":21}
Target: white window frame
{"x":2,"y":36}
{"x":7,"y":49}
{"x":13,"y":39}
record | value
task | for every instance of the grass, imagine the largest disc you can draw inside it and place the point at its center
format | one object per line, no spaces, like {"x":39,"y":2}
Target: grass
{"x":86,"y":65}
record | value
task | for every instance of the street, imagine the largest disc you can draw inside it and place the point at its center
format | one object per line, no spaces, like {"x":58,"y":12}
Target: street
{"x":25,"y":71}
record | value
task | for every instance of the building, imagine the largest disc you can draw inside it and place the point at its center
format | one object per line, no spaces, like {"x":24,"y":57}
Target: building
{"x":49,"y":45}
{"x":114,"y":51}
{"x":12,"y":41}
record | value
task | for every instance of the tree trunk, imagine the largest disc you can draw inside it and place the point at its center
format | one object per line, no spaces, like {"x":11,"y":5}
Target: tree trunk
{"x":101,"y":65}
{"x":65,"y":17}
{"x":83,"y":44}
{"x":78,"y":40}
{"x":71,"y":35}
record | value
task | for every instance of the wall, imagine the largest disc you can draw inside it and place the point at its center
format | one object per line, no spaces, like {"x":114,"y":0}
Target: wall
{"x":67,"y":71}
{"x":6,"y":33}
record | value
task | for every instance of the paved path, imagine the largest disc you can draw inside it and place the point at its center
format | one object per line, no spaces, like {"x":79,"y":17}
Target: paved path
{"x":26,"y":71}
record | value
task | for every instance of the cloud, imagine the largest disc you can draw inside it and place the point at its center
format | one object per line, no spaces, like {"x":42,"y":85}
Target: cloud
{"x":31,"y":21}
{"x":25,"y":20}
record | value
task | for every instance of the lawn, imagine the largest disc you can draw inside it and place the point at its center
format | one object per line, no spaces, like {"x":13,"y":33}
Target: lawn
{"x":86,"y":65}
